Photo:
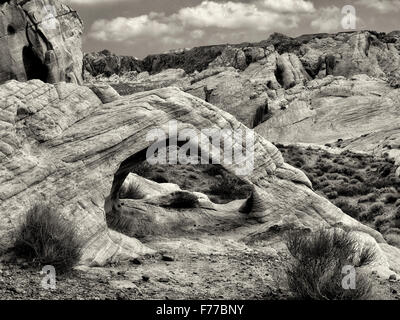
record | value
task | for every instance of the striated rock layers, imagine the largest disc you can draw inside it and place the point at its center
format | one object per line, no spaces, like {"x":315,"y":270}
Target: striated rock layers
{"x":59,"y":143}
{"x":40,"y":39}
{"x":319,"y":88}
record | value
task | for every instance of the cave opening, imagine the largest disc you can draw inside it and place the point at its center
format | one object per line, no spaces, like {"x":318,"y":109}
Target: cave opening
{"x":34,"y":67}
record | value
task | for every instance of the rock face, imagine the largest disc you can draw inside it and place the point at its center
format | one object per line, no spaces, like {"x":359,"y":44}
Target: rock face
{"x":343,"y":86}
{"x":40,"y":39}
{"x":59,"y":143}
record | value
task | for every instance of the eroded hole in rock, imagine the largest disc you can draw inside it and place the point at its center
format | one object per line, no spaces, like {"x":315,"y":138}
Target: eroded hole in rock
{"x":34,"y":67}
{"x":131,"y":209}
{"x":11,"y":30}
{"x":279,"y":75}
{"x":262,"y":114}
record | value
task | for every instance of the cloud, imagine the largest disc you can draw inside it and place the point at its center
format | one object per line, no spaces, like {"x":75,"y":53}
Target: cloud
{"x":383,"y":6}
{"x":327,"y":19}
{"x":123,"y":29}
{"x":298,"y":6}
{"x":258,"y":16}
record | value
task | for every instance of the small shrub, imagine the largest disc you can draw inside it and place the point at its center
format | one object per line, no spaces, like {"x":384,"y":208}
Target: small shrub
{"x":214,"y":170}
{"x":229,"y":187}
{"x":132,"y":191}
{"x":353,"y":211}
{"x":142,"y":169}
{"x":159,"y":178}
{"x":391,"y":198}
{"x":138,"y":225}
{"x":46,"y":239}
{"x":183,"y":200}
{"x":319,"y":258}
{"x":375,"y":210}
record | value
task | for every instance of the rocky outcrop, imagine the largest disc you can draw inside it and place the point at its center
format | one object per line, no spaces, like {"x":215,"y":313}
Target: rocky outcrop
{"x":107,"y":64}
{"x":361,"y":111}
{"x":59,"y":143}
{"x":40,"y":39}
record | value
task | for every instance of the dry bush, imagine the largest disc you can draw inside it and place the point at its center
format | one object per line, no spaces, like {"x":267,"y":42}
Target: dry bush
{"x":138,"y":224}
{"x":45,"y":238}
{"x":230,"y":188}
{"x":183,"y":200}
{"x":132,"y":191}
{"x":353,"y":211}
{"x":319,"y":257}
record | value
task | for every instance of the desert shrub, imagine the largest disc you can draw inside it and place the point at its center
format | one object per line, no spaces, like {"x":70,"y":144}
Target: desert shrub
{"x":229,"y":187}
{"x":142,"y":169}
{"x":368,"y":198}
{"x":393,"y":239}
{"x":375,"y":210}
{"x":132,"y":191}
{"x":380,"y":221}
{"x":319,"y":258}
{"x":391,"y":198}
{"x":45,"y":238}
{"x":359,"y":177}
{"x":138,"y":225}
{"x":353,"y":211}
{"x":214,"y":170}
{"x":332,"y":195}
{"x":159,"y":178}
{"x":183,"y":200}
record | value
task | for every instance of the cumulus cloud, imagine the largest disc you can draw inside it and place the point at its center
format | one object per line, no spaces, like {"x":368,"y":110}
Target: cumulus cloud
{"x":259,"y":16}
{"x":123,"y":29}
{"x":327,"y":19}
{"x":299,"y":6}
{"x":383,"y":6}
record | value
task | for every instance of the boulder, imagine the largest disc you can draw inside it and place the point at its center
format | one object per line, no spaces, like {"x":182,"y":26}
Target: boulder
{"x":105,"y":92}
{"x":40,"y":39}
{"x":231,"y":57}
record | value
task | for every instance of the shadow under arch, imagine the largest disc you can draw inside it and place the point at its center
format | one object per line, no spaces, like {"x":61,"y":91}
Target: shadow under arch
{"x":112,"y":202}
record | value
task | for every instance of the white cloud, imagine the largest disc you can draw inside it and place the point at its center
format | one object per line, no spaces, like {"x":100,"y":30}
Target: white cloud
{"x":327,"y":19}
{"x":261,"y":16}
{"x":383,"y":6}
{"x":123,"y":29}
{"x":299,"y":6}
{"x":235,"y":15}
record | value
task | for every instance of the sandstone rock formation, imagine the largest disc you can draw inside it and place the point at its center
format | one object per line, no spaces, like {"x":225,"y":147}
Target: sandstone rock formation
{"x":40,"y":39}
{"x":60,"y":143}
{"x":343,"y":86}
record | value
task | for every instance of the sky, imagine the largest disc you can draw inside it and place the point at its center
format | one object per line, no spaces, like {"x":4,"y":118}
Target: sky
{"x":142,"y":27}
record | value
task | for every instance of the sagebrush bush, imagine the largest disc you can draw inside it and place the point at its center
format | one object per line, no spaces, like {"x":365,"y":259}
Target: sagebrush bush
{"x":184,"y":200}
{"x":352,"y":210}
{"x":45,"y":238}
{"x":132,"y":191}
{"x":229,"y":187}
{"x":391,"y":198}
{"x":319,"y":258}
